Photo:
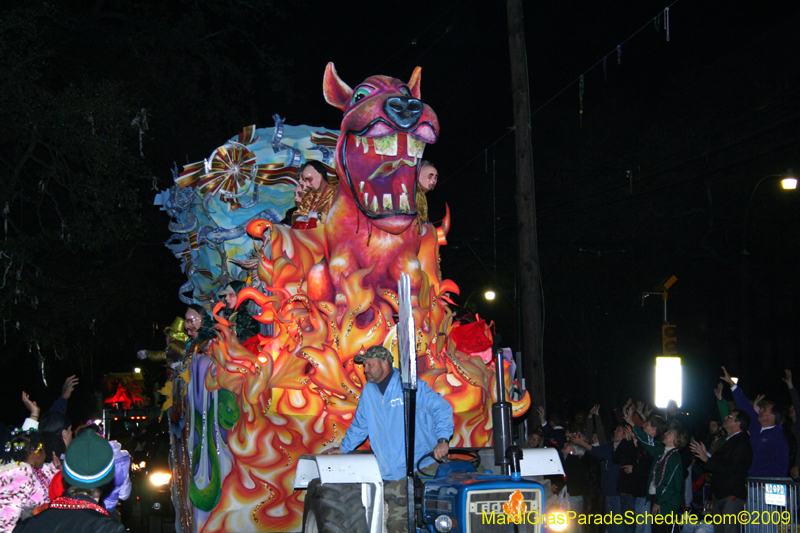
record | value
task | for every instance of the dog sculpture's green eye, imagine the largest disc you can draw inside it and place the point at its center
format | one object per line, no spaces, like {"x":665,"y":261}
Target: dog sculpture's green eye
{"x":360,"y":93}
{"x":405,"y":91}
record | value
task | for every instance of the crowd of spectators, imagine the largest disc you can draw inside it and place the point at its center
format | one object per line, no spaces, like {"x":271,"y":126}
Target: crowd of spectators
{"x":665,"y":463}
{"x":646,"y":462}
{"x":54,"y":479}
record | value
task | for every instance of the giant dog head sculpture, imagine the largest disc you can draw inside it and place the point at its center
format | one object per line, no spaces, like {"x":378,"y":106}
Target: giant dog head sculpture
{"x":383,"y":135}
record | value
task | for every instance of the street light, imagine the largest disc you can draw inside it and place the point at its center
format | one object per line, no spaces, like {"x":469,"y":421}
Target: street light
{"x":788,"y":183}
{"x":488,"y":295}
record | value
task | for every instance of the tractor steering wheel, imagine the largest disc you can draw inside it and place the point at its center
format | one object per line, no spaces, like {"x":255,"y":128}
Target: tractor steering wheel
{"x":459,"y":454}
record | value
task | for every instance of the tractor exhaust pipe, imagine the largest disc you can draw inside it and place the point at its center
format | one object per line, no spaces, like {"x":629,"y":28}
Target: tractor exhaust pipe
{"x":501,"y":421}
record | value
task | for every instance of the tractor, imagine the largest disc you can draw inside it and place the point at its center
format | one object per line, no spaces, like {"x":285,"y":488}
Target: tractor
{"x":345,"y":492}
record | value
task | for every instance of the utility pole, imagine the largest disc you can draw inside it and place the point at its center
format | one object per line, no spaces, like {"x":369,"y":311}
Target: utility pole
{"x":529,"y":299}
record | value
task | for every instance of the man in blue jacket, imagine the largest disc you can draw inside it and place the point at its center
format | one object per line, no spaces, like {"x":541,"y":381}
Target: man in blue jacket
{"x":380,"y":416}
{"x":770,"y":447}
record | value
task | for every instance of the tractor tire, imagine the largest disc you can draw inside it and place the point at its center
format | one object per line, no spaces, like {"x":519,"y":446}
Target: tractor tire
{"x":334,"y":508}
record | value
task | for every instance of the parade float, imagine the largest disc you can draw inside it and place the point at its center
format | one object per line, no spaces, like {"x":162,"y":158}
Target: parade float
{"x":240,"y":417}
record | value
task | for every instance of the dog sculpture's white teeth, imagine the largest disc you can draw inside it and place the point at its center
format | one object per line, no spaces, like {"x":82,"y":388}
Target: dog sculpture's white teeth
{"x":358,"y":140}
{"x":360,"y":186}
{"x":366,"y":145}
{"x":386,"y":145}
{"x":414,"y":147}
{"x":387,"y":202}
{"x":404,"y":206}
{"x":366,"y":198}
{"x":374,"y":205}
{"x":403,"y":186}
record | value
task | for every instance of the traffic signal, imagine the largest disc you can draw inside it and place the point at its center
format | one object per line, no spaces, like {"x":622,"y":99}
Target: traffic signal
{"x":669,"y":335}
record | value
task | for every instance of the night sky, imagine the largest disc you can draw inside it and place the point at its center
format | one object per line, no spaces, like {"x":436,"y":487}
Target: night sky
{"x":652,"y":180}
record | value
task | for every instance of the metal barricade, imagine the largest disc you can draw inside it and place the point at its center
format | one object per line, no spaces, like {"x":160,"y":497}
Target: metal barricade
{"x":769,"y":499}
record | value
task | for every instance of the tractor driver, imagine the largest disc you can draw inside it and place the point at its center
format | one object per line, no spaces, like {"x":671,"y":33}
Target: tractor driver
{"x":380,"y":416}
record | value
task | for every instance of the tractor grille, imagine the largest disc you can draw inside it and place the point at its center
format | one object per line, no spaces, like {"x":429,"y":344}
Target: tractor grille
{"x":485,"y":512}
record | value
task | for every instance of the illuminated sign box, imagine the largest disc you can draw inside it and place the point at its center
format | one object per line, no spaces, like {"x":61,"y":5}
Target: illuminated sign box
{"x":669,"y":380}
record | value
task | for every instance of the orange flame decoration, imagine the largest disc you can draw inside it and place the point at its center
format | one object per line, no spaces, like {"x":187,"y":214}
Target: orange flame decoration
{"x":299,"y":393}
{"x":515,"y":506}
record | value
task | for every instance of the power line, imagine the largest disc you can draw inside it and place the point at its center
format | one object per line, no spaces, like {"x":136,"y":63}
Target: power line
{"x":762,"y":153}
{"x":617,"y":49}
{"x":576,"y":80}
{"x":414,"y":41}
{"x":704,"y":155}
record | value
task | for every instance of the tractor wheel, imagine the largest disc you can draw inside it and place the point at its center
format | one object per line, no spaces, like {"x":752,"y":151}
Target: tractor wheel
{"x":334,"y":508}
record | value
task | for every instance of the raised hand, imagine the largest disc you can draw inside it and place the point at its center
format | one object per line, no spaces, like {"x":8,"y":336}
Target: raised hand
{"x":30,"y":405}
{"x":595,"y":440}
{"x":757,"y":401}
{"x":640,"y":407}
{"x":627,"y":414}
{"x":787,"y":378}
{"x":718,"y":391}
{"x":628,"y":431}
{"x":594,"y":411}
{"x":580,"y":441}
{"x":727,"y":377}
{"x":627,"y":404}
{"x":542,"y":418}
{"x":68,"y":387}
{"x":699,"y":450}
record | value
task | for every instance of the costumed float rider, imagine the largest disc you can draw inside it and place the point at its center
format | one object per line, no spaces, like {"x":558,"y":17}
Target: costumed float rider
{"x":246,"y":327}
{"x":299,"y":191}
{"x":426,"y":181}
{"x":176,"y":339}
{"x":317,"y":200}
{"x":200,"y":329}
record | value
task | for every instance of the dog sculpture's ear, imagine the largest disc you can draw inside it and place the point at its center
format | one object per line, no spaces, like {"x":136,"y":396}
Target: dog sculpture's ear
{"x":337,"y":93}
{"x":414,"y":83}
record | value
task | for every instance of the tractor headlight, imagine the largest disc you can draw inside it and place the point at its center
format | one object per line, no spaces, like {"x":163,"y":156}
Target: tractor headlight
{"x":443,"y":523}
{"x":160,"y":478}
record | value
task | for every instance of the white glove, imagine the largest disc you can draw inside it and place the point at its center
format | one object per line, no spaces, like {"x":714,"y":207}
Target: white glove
{"x":141,"y":354}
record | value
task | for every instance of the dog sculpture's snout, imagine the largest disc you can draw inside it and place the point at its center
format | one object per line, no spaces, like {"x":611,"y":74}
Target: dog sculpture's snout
{"x":403,"y":111}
